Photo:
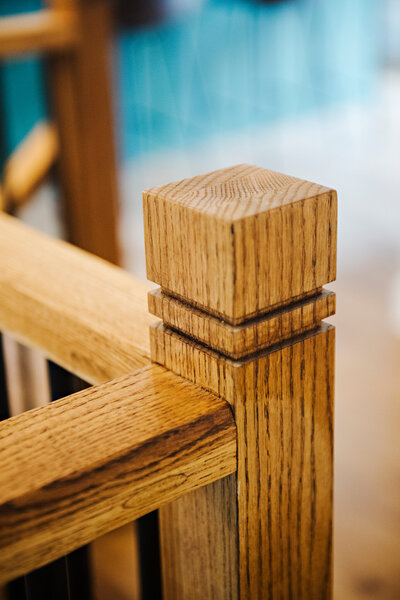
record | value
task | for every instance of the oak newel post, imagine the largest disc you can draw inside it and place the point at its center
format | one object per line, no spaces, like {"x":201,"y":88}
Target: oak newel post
{"x":241,"y":256}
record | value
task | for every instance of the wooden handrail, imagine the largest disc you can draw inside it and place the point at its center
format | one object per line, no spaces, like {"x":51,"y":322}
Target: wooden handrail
{"x":82,"y":312}
{"x":86,"y":464}
{"x":42,"y":31}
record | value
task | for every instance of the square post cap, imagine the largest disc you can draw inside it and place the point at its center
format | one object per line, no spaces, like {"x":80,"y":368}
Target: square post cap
{"x":240,"y":242}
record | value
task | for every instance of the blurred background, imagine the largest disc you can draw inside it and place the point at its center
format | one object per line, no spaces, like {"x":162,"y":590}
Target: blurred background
{"x":307,"y":87}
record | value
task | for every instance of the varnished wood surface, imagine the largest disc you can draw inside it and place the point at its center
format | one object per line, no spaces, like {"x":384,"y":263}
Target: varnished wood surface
{"x":261,"y":240}
{"x":367,"y":457}
{"x":28,"y":165}
{"x":115,"y":565}
{"x":85,"y":314}
{"x":284,"y":412}
{"x":249,"y":337}
{"x":239,"y":243}
{"x":41,"y":31}
{"x":80,"y":85}
{"x":282,"y":401}
{"x":117,"y":452}
{"x":199,"y":533}
{"x":298,"y":473}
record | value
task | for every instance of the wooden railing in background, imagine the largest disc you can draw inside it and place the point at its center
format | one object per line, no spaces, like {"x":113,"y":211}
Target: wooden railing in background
{"x":40,"y":31}
{"x":238,"y":459}
{"x":26,"y":168}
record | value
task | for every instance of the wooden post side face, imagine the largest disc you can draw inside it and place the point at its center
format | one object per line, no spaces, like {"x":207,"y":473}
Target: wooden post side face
{"x":283,"y":406}
{"x":284,"y":417}
{"x":258,"y":342}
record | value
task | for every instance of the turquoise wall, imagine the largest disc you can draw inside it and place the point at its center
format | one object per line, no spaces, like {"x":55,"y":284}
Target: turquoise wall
{"x":229,"y":65}
{"x":21,"y":87}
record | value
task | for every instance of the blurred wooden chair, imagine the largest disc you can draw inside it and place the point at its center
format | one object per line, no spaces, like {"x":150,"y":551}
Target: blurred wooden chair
{"x":74,"y":37}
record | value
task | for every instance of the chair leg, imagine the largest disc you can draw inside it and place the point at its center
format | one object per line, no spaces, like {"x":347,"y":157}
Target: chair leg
{"x":80,"y":85}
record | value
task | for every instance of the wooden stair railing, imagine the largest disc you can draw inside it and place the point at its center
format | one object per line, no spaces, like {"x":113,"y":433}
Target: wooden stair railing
{"x":237,"y":456}
{"x":119,"y":450}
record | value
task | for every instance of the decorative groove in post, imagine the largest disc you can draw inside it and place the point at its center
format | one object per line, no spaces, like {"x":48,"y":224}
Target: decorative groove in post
{"x":241,"y":256}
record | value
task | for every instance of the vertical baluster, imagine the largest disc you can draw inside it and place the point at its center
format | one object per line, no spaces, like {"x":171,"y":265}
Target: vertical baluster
{"x":15,"y":590}
{"x":248,"y":251}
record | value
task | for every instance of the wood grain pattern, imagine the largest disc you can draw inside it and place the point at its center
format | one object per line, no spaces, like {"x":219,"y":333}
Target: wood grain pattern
{"x":240,"y":241}
{"x":285,"y":514}
{"x":117,"y":452}
{"x":28,"y":165}
{"x":199,"y":533}
{"x":82,"y":312}
{"x":239,"y":244}
{"x":249,"y":337}
{"x":80,"y":83}
{"x":40,"y":31}
{"x":282,"y":401}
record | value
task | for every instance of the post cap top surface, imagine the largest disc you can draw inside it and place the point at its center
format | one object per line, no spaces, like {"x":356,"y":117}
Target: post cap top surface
{"x":236,"y":192}
{"x":240,"y":241}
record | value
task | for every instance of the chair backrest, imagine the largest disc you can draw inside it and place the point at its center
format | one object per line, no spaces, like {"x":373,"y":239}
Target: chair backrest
{"x":223,"y":421}
{"x":74,"y":37}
